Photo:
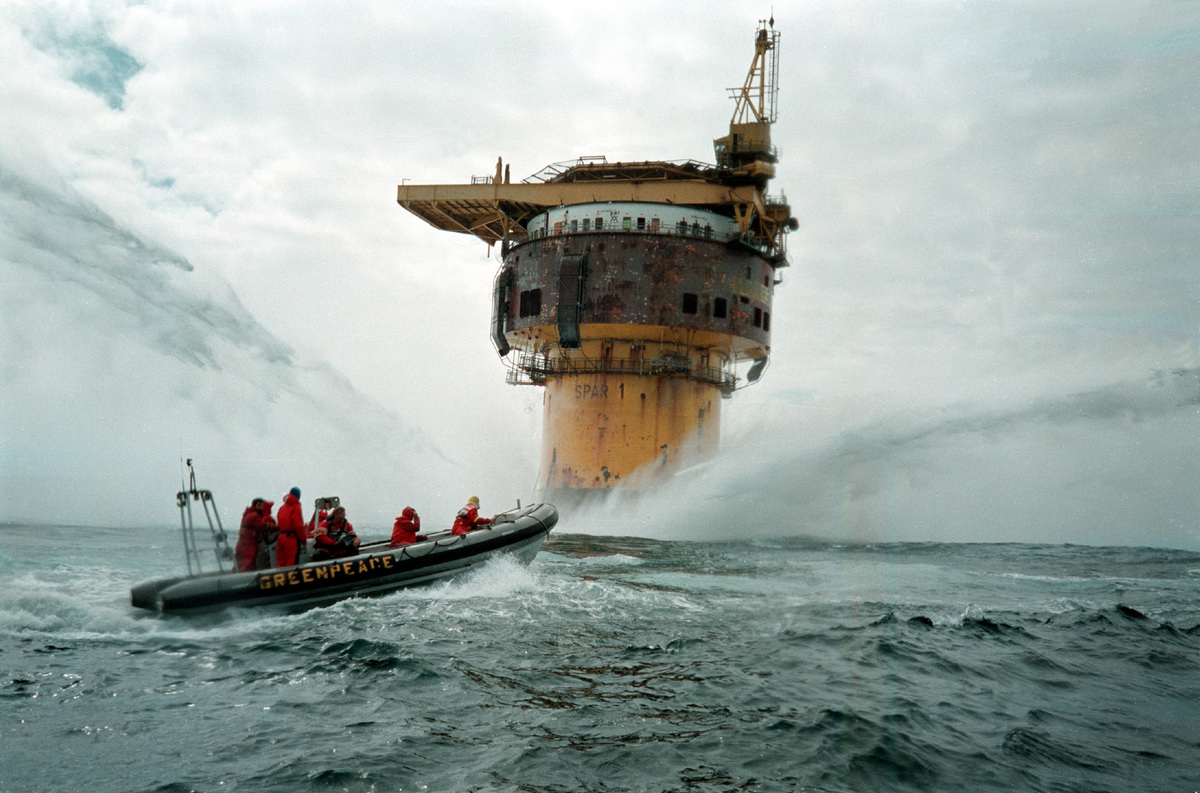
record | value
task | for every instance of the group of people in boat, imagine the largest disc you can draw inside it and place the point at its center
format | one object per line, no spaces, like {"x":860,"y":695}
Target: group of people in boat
{"x":285,"y":537}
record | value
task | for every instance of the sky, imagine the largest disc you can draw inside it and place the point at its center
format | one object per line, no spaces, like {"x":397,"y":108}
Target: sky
{"x":989,"y":330}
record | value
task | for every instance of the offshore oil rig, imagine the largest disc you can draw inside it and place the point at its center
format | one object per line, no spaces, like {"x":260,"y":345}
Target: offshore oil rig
{"x":637,"y":294}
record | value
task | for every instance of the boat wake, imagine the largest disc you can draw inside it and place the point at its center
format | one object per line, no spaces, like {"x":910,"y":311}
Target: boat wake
{"x":499,"y":577}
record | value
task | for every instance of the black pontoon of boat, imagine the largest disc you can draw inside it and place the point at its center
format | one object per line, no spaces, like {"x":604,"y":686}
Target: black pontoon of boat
{"x":376,"y":569}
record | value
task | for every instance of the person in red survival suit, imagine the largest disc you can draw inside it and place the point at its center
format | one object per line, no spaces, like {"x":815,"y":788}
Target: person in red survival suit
{"x":246,"y":550}
{"x":293,"y":536}
{"x":268,"y":532}
{"x":318,"y":519}
{"x":468,"y":517}
{"x":406,"y":528}
{"x":335,"y":537}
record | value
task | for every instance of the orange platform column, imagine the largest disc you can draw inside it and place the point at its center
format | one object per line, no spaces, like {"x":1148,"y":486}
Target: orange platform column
{"x":603,"y":431}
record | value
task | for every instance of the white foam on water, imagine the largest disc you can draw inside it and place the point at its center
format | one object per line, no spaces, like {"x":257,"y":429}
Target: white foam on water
{"x":498,"y":577}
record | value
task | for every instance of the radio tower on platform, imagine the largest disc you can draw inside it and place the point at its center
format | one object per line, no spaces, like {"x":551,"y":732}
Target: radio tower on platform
{"x":637,"y":294}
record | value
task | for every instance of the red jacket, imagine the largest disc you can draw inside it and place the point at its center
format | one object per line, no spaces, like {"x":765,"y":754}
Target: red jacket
{"x":269,"y":529}
{"x":246,"y":550}
{"x":467,"y":519}
{"x":293,"y":534}
{"x":268,"y":533}
{"x":329,"y":535}
{"x":406,"y":528}
{"x":291,"y":519}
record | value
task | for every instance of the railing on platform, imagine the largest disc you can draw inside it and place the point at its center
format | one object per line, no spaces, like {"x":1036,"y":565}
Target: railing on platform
{"x":537,"y":368}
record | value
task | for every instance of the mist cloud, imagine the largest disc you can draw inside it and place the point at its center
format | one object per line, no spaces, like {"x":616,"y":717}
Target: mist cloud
{"x":119,"y":358}
{"x":993,"y":287}
{"x":1115,"y":466}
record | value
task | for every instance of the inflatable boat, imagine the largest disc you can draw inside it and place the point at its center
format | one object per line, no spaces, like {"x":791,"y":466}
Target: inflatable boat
{"x":376,"y":569}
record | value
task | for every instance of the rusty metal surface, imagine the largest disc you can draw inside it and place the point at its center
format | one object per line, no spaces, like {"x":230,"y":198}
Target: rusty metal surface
{"x":615,"y":431}
{"x":642,"y":279}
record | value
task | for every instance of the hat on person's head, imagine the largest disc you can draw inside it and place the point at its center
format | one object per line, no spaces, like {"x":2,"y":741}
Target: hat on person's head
{"x":295,"y":491}
{"x":473,"y":500}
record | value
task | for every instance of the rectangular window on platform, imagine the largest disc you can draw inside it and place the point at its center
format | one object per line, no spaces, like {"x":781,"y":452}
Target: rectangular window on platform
{"x":531,"y":303}
{"x":690,"y":303}
{"x":720,"y":308}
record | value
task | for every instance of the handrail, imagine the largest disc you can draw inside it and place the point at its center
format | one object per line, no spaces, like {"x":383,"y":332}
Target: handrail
{"x":191,"y":544}
{"x":539,"y":367}
{"x":555,"y":169}
{"x":758,"y":242}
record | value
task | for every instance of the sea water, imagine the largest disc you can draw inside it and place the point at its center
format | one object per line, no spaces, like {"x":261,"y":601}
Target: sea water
{"x":614,"y":664}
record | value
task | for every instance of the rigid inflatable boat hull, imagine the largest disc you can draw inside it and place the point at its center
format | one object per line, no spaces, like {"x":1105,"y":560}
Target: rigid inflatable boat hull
{"x":519,"y":534}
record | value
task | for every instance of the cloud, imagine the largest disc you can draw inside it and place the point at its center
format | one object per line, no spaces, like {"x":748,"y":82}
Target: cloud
{"x":69,"y":241}
{"x":119,"y":358}
{"x":998,"y":207}
{"x":97,"y":63}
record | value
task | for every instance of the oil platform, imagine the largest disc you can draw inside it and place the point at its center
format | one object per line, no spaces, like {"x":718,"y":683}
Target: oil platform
{"x":637,"y":294}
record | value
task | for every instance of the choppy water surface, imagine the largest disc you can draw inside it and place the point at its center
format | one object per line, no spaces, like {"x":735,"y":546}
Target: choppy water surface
{"x":615,"y":664}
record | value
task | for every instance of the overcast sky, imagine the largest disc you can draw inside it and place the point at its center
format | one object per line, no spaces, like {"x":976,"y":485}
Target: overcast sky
{"x":990,"y":329}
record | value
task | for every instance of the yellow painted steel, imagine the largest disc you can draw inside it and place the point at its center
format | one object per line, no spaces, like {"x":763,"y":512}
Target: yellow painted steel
{"x":622,"y":413}
{"x":494,"y":210}
{"x":604,"y":431}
